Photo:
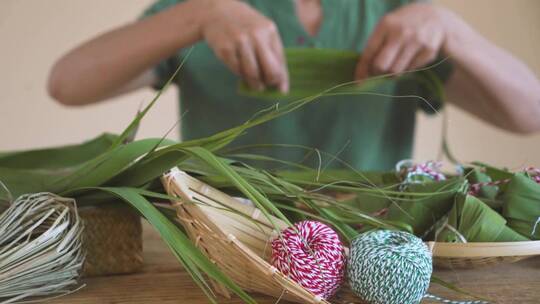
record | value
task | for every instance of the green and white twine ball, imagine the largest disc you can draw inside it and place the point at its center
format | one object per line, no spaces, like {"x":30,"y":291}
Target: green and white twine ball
{"x":392,"y":267}
{"x":389,"y":267}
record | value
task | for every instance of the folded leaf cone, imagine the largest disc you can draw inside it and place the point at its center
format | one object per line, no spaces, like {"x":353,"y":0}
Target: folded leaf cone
{"x":423,"y":212}
{"x":473,"y":220}
{"x":521,"y":205}
{"x":487,"y":193}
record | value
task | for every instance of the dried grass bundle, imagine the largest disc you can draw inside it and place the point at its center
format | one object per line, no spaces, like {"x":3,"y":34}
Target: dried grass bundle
{"x":40,"y":247}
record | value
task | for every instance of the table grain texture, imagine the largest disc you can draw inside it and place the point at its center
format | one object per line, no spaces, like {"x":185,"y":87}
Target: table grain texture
{"x":164,"y":281}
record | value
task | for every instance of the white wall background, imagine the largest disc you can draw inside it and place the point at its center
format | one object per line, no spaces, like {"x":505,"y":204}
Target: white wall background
{"x":33,"y":34}
{"x":514,"y":25}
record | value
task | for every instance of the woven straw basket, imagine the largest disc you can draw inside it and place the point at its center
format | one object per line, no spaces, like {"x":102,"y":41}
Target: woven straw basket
{"x":112,"y":238}
{"x":238,"y":242}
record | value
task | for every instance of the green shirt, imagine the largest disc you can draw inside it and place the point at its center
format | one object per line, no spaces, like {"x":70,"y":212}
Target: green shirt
{"x":368,"y":132}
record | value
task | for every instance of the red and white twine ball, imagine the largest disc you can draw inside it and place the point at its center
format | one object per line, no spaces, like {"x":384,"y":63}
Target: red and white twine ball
{"x":311,"y":254}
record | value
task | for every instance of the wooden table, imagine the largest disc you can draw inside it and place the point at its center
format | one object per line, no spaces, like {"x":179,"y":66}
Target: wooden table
{"x":164,"y":281}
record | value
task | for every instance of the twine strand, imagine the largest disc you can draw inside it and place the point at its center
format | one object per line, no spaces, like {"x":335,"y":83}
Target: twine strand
{"x":535,"y":225}
{"x":443,"y":300}
{"x":534,"y":174}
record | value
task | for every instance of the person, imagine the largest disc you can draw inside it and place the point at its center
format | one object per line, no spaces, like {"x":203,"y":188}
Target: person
{"x":235,"y":39}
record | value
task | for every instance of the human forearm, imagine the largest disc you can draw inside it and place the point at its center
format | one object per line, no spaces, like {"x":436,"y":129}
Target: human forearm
{"x":99,"y":67}
{"x":487,"y":81}
{"x":490,"y":83}
{"x":246,"y":41}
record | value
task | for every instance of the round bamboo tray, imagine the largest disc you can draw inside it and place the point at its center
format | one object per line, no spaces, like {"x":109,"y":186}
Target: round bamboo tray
{"x":112,"y":238}
{"x":235,"y":236}
{"x":473,"y":255}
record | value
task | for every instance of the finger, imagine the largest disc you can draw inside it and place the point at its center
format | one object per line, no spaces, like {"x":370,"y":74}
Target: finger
{"x":271,"y":68}
{"x":373,"y":45}
{"x":277,"y":47}
{"x":248,"y":65}
{"x":386,"y":56}
{"x":228,"y":55}
{"x":403,"y":61}
{"x":422,"y":58}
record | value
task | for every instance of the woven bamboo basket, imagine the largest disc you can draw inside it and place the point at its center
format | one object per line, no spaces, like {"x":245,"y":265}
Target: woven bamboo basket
{"x":474,"y":255}
{"x":236,"y":237}
{"x":112,"y":239}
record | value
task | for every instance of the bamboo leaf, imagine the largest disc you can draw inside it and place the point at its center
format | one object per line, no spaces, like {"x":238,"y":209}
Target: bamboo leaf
{"x":58,"y":157}
{"x":441,"y":282}
{"x":312,"y":71}
{"x":154,"y":164}
{"x":104,"y":167}
{"x":251,"y":193}
{"x":132,"y":127}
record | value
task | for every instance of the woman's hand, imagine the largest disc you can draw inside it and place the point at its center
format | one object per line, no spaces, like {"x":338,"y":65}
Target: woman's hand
{"x":405,"y":39}
{"x":247,"y":42}
{"x":505,"y":94}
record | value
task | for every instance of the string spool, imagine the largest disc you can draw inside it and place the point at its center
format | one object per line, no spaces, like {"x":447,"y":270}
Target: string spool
{"x":419,"y":173}
{"x":389,"y":267}
{"x":311,"y":254}
{"x":534,"y":173}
